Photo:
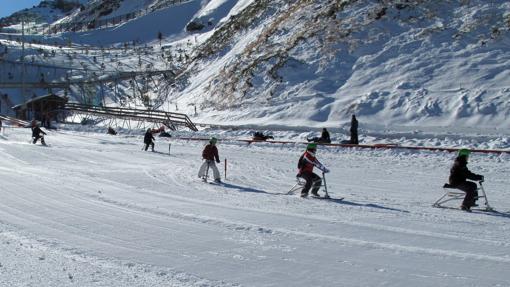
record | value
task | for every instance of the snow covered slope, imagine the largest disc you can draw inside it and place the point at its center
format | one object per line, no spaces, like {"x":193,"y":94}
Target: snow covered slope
{"x":94,"y":210}
{"x":316,"y":62}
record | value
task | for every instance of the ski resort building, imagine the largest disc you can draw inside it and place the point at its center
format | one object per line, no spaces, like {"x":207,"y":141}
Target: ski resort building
{"x":40,"y":108}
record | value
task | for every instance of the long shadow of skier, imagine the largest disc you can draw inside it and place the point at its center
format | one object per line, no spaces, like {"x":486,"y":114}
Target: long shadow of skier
{"x":244,"y":188}
{"x":492,"y":213}
{"x":335,"y":200}
{"x":370,"y":205}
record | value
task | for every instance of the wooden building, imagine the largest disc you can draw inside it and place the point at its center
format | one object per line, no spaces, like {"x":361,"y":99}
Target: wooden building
{"x":42,"y":108}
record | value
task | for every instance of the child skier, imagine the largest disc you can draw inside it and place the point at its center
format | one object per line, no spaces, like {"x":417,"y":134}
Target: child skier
{"x":209,"y":154}
{"x":148,"y":139}
{"x":458,"y":175}
{"x":36,"y":133}
{"x":305,"y":165}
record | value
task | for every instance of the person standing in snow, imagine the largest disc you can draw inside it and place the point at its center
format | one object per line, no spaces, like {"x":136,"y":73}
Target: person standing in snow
{"x":354,"y":130}
{"x":306,"y":164}
{"x":459,"y":173}
{"x":209,"y":155}
{"x":148,"y":139}
{"x":36,"y":133}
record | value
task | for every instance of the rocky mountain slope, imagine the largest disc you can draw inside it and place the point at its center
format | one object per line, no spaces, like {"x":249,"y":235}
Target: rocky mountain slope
{"x":391,"y":62}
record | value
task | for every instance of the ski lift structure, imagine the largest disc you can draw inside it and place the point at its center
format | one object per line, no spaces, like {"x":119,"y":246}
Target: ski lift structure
{"x":127,"y":117}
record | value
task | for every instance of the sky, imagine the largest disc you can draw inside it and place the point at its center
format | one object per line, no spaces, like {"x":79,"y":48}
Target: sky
{"x":7,"y":7}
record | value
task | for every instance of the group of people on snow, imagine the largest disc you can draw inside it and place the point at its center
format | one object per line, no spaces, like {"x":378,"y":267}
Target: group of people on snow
{"x":459,"y":173}
{"x":460,"y":176}
{"x":326,"y":139}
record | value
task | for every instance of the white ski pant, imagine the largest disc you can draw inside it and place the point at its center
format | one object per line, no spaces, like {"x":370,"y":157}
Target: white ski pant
{"x":212,"y":165}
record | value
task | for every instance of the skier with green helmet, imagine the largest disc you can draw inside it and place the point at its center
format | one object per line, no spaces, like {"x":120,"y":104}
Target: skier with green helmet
{"x":209,"y":155}
{"x":459,"y":175}
{"x":306,"y":164}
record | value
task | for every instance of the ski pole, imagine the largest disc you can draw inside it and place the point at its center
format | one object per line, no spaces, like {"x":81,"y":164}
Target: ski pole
{"x":169,"y":146}
{"x":325,"y":185}
{"x":225,"y":168}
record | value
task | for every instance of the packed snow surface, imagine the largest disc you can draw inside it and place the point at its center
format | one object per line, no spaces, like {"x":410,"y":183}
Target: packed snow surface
{"x":94,"y":210}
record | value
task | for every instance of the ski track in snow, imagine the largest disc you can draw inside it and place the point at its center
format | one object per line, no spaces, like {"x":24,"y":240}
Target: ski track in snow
{"x":102,"y":200}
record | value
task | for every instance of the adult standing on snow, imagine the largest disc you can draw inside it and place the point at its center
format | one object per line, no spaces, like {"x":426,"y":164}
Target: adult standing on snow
{"x":36,"y":133}
{"x":209,"y":155}
{"x":354,"y":130}
{"x":306,"y":164}
{"x":148,"y":139}
{"x":459,"y":173}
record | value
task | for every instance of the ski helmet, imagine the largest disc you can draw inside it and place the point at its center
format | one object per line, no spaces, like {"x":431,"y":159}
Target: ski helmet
{"x":213,"y":140}
{"x":464,"y":152}
{"x":311,"y":146}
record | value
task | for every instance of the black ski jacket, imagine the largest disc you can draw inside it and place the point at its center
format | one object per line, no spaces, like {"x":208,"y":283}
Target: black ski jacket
{"x":459,"y":172}
{"x":148,"y":138}
{"x":354,"y":125}
{"x":36,"y":131}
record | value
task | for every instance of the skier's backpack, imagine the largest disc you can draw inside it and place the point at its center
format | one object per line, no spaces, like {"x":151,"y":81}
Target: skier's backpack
{"x":301,"y":163}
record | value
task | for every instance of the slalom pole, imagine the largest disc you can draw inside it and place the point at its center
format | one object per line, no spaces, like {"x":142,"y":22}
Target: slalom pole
{"x":326,"y":195}
{"x":225,"y":168}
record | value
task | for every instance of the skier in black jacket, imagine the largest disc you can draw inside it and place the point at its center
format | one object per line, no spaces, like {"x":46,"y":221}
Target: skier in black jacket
{"x":36,"y":133}
{"x":148,"y":139}
{"x":459,"y":173}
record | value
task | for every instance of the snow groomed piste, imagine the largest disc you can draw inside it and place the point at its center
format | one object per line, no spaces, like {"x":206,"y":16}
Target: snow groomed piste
{"x":94,"y":209}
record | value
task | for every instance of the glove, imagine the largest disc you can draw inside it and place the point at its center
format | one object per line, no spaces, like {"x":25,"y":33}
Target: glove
{"x":325,"y":170}
{"x":482,"y":178}
{"x":218,"y":161}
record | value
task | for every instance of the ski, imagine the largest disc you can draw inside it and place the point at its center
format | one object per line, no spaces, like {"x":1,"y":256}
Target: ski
{"x":212,"y":182}
{"x":325,"y":198}
{"x":470,"y":211}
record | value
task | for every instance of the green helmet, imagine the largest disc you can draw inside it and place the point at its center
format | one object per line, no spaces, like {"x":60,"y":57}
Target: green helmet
{"x":311,"y":146}
{"x":464,"y":152}
{"x":213,"y":140}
